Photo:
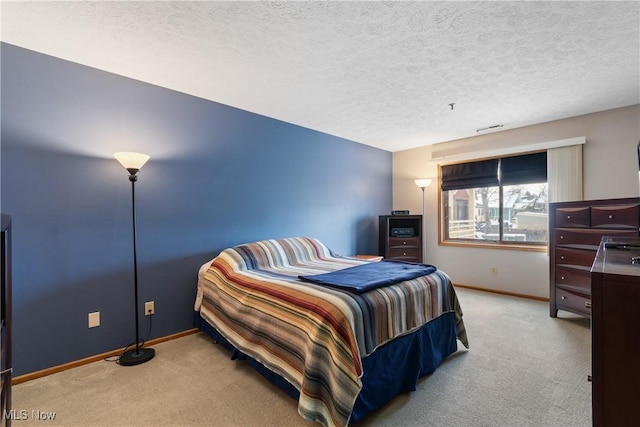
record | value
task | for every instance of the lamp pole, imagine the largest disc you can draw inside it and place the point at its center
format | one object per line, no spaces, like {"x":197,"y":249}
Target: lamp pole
{"x":423,"y":183}
{"x":133,"y":162}
{"x":424,"y":229}
{"x":133,"y":179}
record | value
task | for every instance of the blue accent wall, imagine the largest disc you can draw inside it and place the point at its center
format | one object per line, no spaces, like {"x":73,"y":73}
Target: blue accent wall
{"x":217,"y":176}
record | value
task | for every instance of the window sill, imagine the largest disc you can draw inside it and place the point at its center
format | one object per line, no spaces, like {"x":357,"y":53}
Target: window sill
{"x":496,"y":245}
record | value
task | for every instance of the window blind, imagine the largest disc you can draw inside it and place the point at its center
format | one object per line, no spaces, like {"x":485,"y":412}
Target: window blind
{"x":470,"y":175}
{"x":525,"y":169}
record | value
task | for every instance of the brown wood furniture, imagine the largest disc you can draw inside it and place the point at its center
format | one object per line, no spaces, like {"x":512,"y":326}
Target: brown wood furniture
{"x":5,"y":319}
{"x":575,"y":231}
{"x":400,"y":237}
{"x":615,"y":327}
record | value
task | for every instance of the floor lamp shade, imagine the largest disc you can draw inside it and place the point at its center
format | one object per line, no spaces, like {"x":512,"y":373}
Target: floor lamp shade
{"x":423,"y":182}
{"x":133,"y":162}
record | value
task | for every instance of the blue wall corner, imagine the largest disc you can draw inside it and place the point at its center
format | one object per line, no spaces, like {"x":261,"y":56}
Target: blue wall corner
{"x":217,"y":176}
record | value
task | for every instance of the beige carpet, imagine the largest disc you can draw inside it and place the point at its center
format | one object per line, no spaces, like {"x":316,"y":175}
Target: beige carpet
{"x":523,"y":369}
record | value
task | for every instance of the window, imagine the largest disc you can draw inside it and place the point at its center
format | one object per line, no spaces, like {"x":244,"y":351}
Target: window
{"x":499,"y":201}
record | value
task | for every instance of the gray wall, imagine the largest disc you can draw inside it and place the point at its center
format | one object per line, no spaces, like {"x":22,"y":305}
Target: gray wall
{"x":610,"y":169}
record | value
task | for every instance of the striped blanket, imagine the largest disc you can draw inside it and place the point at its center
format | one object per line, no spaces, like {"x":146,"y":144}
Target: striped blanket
{"x":313,"y":336}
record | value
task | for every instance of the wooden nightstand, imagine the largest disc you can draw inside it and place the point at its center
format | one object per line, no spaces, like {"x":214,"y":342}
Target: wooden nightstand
{"x":400,"y":237}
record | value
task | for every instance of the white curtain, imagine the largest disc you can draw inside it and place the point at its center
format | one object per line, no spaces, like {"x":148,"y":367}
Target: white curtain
{"x":564,"y":173}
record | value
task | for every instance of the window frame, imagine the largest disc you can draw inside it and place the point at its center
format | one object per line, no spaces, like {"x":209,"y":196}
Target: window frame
{"x":444,"y":210}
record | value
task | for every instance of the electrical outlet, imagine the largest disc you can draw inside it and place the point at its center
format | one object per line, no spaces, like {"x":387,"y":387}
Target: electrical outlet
{"x":94,"y":319}
{"x":149,"y":308}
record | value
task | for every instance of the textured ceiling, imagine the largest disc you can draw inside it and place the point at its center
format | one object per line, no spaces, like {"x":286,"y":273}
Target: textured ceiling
{"x":380,"y":73}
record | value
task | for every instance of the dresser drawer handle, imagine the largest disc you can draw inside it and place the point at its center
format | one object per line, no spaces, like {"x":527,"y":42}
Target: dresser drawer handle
{"x":563,"y":297}
{"x":561,"y":277}
{"x":568,"y":216}
{"x":404,"y":253}
{"x":561,"y":237}
{"x":562,"y":257}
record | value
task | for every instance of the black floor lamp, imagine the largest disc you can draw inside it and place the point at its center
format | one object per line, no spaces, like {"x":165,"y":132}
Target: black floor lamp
{"x":423,"y":183}
{"x":133,"y":162}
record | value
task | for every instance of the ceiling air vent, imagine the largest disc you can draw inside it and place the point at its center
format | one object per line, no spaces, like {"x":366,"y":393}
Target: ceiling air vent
{"x":493,"y":127}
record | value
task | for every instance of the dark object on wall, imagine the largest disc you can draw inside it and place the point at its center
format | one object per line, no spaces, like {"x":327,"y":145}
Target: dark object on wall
{"x":133,"y":162}
{"x":394,"y":244}
{"x":399,"y":212}
{"x":6,"y":362}
{"x":615,"y":321}
{"x":575,"y":231}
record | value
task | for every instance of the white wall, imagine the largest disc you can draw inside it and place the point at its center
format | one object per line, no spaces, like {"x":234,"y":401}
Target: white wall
{"x":610,"y":168}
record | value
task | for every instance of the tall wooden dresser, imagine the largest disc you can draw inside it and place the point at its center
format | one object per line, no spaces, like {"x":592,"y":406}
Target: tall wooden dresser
{"x":400,"y":237}
{"x":575,"y":231}
{"x":615,"y":329}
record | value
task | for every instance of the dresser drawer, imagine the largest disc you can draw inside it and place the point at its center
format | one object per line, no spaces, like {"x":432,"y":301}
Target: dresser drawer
{"x":572,"y":301}
{"x":589,"y":236}
{"x":573,"y":217}
{"x":575,"y":257}
{"x":403,"y":253}
{"x":580,"y":280}
{"x":615,"y":216}
{"x":407,"y":242}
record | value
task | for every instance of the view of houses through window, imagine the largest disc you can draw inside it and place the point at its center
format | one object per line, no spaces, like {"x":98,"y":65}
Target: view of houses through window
{"x":475,"y":213}
{"x":515,"y":213}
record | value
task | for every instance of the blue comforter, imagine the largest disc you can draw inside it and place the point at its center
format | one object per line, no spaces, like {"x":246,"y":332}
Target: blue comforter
{"x":363,"y":278}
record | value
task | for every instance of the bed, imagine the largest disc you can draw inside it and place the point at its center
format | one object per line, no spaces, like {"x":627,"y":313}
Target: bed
{"x":342,"y":353}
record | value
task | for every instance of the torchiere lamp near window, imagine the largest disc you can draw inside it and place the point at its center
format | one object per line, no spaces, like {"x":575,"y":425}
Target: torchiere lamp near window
{"x":133,"y":162}
{"x":423,"y":183}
